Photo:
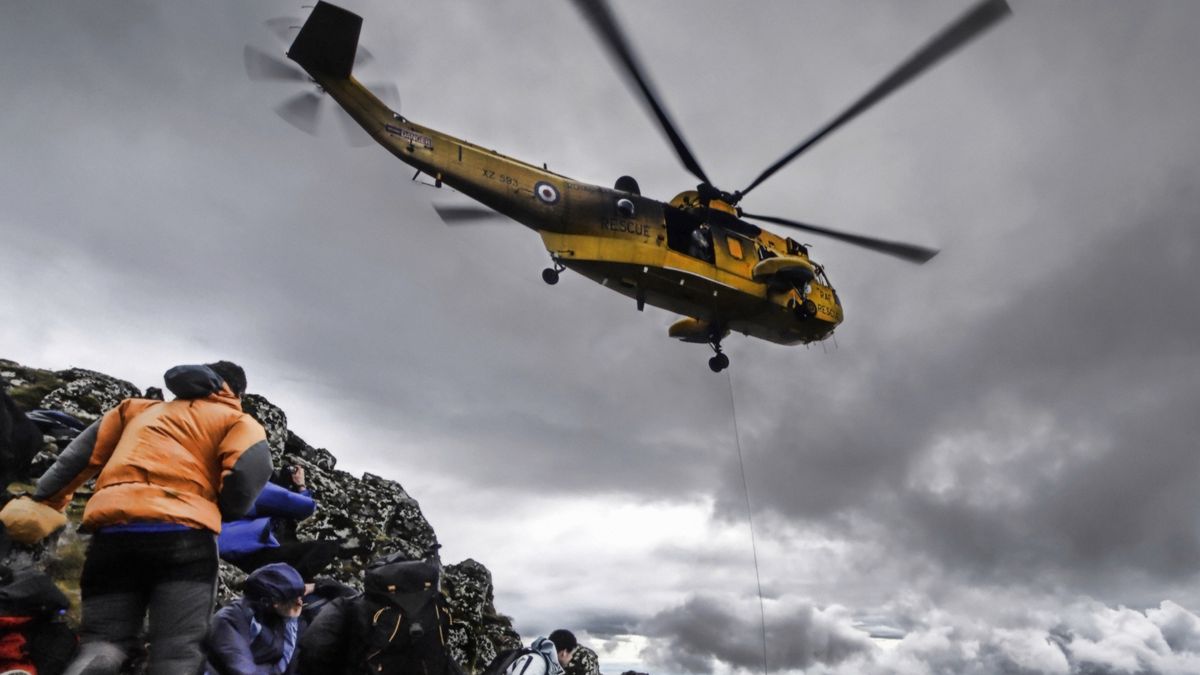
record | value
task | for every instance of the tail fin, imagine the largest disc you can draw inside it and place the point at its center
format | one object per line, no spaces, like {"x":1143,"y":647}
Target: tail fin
{"x":328,"y":41}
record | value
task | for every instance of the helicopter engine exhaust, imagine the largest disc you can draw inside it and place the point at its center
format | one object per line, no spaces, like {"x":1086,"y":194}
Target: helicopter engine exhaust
{"x":628,"y":184}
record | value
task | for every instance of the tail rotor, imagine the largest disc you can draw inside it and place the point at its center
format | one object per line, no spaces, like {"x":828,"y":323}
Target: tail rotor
{"x":305,"y":110}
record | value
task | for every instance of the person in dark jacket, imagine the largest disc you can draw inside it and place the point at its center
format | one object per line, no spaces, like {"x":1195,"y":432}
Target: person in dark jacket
{"x":259,"y":633}
{"x":398,"y":625}
{"x":20,"y":440}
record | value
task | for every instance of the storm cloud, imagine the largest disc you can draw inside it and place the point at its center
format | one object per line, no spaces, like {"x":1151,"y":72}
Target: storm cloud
{"x":705,"y":629}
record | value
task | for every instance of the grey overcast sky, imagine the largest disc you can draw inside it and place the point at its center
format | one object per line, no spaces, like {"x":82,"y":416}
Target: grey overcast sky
{"x":991,"y":469}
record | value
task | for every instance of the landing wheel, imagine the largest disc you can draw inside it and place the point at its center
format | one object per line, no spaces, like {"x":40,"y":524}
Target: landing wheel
{"x":550,"y":276}
{"x":718,"y":363}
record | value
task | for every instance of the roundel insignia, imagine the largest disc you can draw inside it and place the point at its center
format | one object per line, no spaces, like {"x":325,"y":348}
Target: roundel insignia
{"x":546,"y":192}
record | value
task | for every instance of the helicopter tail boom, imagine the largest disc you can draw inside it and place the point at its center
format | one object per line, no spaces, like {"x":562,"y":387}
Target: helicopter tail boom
{"x":328,"y":41}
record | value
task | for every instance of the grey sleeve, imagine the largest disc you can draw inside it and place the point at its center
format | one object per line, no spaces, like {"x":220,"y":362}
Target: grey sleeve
{"x":245,"y":481}
{"x":71,"y":462}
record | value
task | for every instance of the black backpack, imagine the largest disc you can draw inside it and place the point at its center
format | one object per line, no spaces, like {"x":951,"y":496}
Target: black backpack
{"x":33,"y":635}
{"x":401,"y":622}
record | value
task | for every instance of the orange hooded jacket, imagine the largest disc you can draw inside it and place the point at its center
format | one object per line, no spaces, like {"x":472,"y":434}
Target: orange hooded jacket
{"x":186,"y":461}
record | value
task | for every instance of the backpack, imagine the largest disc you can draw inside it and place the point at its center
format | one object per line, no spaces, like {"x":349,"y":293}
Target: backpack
{"x":505,"y":660}
{"x":400,"y":623}
{"x":34,"y":639}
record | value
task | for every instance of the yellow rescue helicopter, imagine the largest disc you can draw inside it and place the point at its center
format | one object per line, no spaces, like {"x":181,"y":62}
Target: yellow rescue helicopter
{"x":696,"y":255}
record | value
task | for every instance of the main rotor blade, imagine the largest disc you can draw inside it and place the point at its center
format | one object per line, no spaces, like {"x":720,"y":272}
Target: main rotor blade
{"x":302,"y":111}
{"x":602,"y":20}
{"x":262,"y":66}
{"x":910,"y":252}
{"x":458,"y":215}
{"x":967,"y":27}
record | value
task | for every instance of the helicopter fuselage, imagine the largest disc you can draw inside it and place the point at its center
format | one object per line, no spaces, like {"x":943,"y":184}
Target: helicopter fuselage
{"x":638,"y":248}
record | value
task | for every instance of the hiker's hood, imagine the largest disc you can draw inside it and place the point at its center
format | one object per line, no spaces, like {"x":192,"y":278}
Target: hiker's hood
{"x":193,"y":381}
{"x":546,"y":648}
{"x":277,"y":582}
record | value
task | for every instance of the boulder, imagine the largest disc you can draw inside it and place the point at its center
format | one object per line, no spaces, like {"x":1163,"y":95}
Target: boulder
{"x":27,"y":386}
{"x":273,"y":420}
{"x":87,"y":394}
{"x":479,"y":632}
{"x":319,"y":457}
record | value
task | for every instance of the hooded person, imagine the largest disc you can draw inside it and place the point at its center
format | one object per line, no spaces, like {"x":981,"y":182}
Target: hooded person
{"x":166,"y":474}
{"x":259,"y":633}
{"x":540,"y":659}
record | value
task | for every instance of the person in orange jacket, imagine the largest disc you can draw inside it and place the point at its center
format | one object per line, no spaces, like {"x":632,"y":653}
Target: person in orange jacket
{"x":166,"y":474}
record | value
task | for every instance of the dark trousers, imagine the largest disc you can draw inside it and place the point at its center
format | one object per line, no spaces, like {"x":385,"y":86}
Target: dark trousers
{"x":309,"y":558}
{"x":171,"y":575}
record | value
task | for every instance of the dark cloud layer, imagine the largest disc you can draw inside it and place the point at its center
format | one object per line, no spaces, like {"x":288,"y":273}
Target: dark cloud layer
{"x":1086,"y":638}
{"x":705,"y":630}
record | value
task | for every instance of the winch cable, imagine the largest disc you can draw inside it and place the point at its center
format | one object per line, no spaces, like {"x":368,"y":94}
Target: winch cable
{"x":749,"y":518}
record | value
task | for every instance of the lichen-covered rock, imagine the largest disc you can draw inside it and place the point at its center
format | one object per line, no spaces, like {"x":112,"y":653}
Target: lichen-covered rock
{"x":496,"y":631}
{"x":319,"y":457}
{"x":27,"y":386}
{"x":229,"y":582}
{"x":470,"y":585}
{"x":371,"y":516}
{"x":88,"y":394}
{"x":478,"y":632}
{"x":272,"y":418}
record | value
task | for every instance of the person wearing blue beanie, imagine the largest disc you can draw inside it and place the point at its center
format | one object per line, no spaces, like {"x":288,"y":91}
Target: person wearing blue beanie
{"x":258,"y":633}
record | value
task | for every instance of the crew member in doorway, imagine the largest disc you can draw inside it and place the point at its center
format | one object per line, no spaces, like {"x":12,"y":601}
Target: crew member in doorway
{"x":700,"y":245}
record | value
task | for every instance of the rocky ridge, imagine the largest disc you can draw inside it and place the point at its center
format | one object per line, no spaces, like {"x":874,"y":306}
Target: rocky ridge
{"x":372,"y":515}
